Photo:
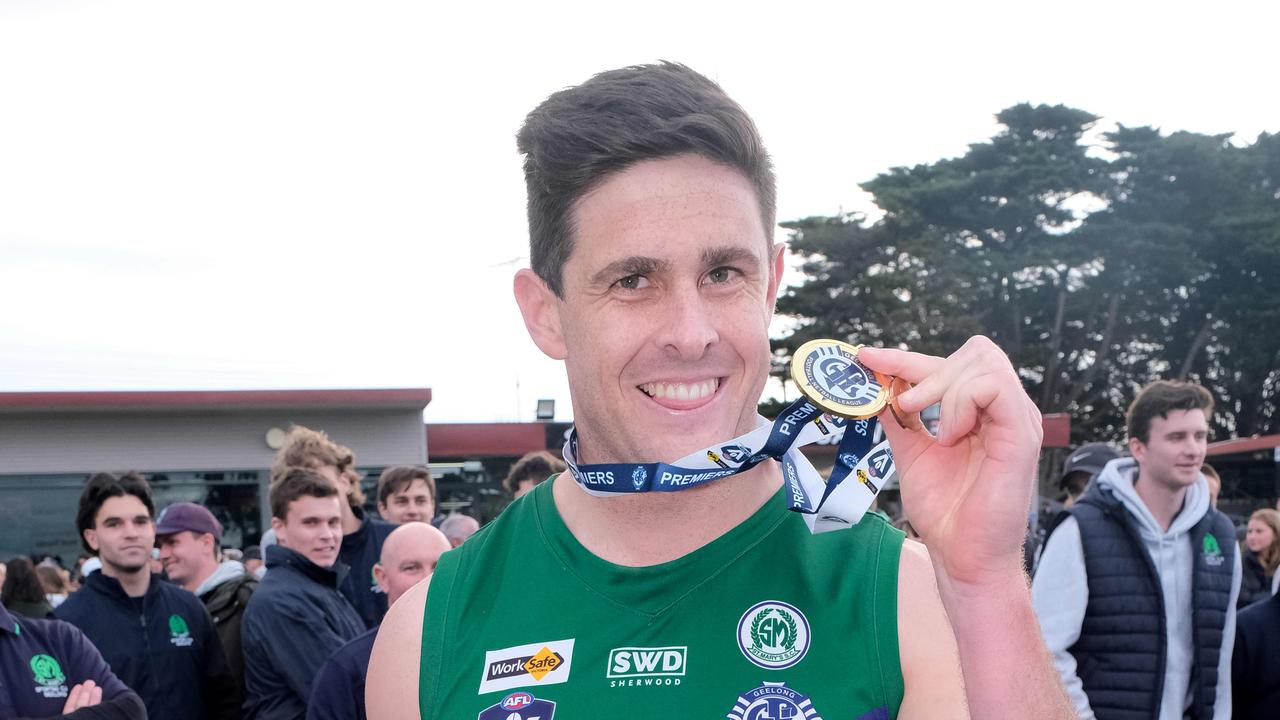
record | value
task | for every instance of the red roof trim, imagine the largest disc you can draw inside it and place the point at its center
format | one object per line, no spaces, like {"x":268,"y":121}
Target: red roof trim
{"x":1244,"y":445}
{"x":477,"y":440}
{"x":231,"y":399}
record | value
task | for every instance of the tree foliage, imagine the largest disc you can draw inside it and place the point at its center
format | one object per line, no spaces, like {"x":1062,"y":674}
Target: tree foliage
{"x":1097,"y":266}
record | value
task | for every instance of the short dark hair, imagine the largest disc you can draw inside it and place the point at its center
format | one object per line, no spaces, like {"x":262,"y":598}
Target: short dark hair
{"x":394,"y":479}
{"x":1161,"y":397}
{"x":296,"y":483}
{"x":536,"y":466}
{"x":102,"y":486}
{"x":580,"y":136}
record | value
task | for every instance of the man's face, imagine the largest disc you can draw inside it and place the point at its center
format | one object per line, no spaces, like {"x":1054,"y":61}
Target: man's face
{"x":123,"y":534}
{"x":664,"y":324}
{"x":412,"y":503}
{"x":1174,"y":450}
{"x":411,"y":563}
{"x":312,"y":526}
{"x":186,"y":556}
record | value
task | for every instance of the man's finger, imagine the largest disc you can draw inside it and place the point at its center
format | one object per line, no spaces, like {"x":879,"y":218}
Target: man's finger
{"x":94,"y":696}
{"x":73,"y":700}
{"x":910,"y":366}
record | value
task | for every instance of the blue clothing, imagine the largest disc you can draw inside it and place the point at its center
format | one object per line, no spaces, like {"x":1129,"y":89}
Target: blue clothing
{"x":163,"y":645}
{"x":360,"y":551}
{"x":1255,"y":666}
{"x":338,"y":693}
{"x":41,"y":660}
{"x":295,"y":619}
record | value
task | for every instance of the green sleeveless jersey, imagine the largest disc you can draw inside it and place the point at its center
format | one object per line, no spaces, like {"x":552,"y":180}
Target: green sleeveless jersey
{"x":764,"y":623}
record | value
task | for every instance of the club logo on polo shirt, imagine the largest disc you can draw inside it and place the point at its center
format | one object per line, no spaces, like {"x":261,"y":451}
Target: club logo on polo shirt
{"x":646,"y":666}
{"x":773,"y":635}
{"x":519,"y":706}
{"x":771,"y":701}
{"x":179,"y":633}
{"x":533,"y":664}
{"x":50,"y":682}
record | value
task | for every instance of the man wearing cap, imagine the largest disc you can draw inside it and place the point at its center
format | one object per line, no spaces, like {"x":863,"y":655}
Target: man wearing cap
{"x":189,"y":538}
{"x":1080,"y":467}
{"x":1136,"y":588}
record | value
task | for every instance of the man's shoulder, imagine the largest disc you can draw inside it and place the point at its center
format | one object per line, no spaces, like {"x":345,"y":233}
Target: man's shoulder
{"x":354,"y":655}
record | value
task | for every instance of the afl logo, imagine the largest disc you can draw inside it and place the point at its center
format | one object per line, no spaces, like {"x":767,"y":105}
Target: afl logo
{"x":517,"y":700}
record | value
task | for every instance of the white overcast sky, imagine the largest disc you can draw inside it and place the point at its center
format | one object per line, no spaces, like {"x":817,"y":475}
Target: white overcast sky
{"x":287,"y":194}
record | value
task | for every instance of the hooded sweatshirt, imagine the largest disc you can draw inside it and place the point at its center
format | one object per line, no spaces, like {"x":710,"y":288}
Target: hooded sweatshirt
{"x":1060,"y":593}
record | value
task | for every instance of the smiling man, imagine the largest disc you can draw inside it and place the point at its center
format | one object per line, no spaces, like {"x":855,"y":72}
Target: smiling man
{"x":297,"y":617}
{"x":654,"y":275}
{"x":157,"y":638}
{"x":1136,"y":589}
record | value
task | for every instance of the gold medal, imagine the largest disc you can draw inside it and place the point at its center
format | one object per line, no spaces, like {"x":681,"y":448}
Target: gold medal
{"x":829,"y":375}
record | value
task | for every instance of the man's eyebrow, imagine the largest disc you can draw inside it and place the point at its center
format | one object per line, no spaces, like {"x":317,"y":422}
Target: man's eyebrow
{"x":633,"y":265}
{"x":728,"y":255}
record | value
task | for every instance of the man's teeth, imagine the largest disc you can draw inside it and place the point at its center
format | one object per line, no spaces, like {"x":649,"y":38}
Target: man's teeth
{"x":681,"y":391}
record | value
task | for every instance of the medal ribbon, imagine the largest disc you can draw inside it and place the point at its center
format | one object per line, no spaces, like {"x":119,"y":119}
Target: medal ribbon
{"x":826,"y":505}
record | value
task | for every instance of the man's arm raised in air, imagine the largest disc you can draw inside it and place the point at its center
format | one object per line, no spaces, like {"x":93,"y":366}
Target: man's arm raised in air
{"x":391,"y":686}
{"x":968,"y":493}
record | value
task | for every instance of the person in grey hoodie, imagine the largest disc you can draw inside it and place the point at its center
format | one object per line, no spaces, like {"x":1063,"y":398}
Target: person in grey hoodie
{"x":1136,"y":590}
{"x":189,"y":537}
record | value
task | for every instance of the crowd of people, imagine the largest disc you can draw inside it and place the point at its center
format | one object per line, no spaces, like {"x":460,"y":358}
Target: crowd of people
{"x":281,"y":630}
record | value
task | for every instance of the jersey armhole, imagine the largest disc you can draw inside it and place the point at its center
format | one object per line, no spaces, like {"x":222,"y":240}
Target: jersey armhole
{"x":885,"y":612}
{"x":435,"y":622}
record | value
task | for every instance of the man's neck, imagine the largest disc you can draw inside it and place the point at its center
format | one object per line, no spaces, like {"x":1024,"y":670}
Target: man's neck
{"x":135,"y":583}
{"x":1163,"y":501}
{"x":199,"y":578}
{"x":652,"y":528}
{"x":350,"y":523}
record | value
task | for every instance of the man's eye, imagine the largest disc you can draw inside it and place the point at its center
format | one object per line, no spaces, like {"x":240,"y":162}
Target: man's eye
{"x":721,"y":275}
{"x":633,"y":282}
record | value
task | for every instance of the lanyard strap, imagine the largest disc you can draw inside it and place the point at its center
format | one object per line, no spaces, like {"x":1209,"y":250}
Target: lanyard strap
{"x":838,"y":504}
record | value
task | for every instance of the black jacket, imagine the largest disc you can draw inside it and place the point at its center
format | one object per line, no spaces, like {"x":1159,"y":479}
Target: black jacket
{"x":295,"y":620}
{"x":226,"y":603}
{"x":360,"y":551}
{"x":1254,"y":583}
{"x":162,"y":645}
{"x":1255,"y":663}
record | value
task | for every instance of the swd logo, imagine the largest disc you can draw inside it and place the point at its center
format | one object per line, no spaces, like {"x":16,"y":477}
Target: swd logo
{"x":773,"y":634}
{"x":646,"y":666}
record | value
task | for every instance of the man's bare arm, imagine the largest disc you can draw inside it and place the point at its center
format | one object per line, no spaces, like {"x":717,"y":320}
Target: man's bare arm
{"x":391,"y":686}
{"x":932,"y":683}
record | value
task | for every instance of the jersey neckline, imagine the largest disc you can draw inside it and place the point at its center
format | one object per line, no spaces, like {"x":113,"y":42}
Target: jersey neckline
{"x":652,"y":589}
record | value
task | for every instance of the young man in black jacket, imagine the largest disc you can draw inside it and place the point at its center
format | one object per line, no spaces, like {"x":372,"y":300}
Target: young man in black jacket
{"x":297,"y":617}
{"x":156,"y":637}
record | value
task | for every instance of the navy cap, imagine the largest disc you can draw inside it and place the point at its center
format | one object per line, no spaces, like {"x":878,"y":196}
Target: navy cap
{"x":188,"y":516}
{"x":1090,"y":458}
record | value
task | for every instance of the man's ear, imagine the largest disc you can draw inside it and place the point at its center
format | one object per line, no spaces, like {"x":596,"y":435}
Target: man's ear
{"x":541,"y":311}
{"x":91,"y":537}
{"x":1137,"y":450}
{"x":380,"y":577}
{"x":278,"y":525}
{"x":776,"y":266}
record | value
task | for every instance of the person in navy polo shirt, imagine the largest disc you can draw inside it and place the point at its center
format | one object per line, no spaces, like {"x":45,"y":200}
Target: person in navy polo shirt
{"x":157,"y":638}
{"x":49,"y":669}
{"x":409,"y":556}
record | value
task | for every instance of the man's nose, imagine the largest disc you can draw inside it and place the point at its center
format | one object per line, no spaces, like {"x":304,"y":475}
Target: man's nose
{"x":688,"y":325}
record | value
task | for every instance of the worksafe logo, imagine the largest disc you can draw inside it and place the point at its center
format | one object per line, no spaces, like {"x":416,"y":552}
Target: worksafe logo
{"x":524,"y":665}
{"x":50,"y":682}
{"x":179,"y":633}
{"x":646,"y":666}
